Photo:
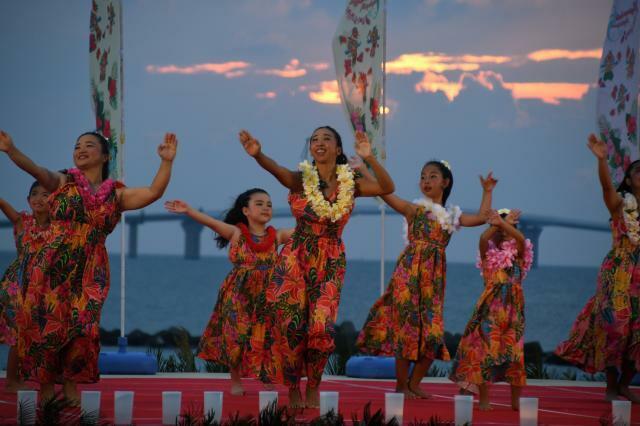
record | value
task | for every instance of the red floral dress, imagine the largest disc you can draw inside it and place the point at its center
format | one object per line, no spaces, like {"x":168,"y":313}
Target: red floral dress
{"x":607,"y":330}
{"x":407,"y":320}
{"x":492,"y":345}
{"x":296,"y":326}
{"x":59,"y":334}
{"x":227,"y":335}
{"x":29,"y":238}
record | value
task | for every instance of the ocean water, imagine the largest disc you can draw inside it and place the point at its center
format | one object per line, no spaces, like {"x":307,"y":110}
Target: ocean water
{"x":165,"y":291}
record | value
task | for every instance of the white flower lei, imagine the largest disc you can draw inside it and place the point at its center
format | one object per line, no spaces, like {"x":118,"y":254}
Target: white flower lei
{"x":311,"y":186}
{"x":630,"y":215}
{"x":448,"y":218}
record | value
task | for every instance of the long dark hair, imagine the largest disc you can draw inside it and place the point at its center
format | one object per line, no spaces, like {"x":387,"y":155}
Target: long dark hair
{"x":624,"y":186}
{"x":342,"y":158}
{"x":235,"y":216}
{"x":104,"y":144}
{"x":34,"y":185}
{"x":446,"y":174}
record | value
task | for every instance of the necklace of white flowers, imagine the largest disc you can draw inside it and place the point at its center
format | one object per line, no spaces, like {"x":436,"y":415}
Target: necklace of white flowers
{"x":630,"y":215}
{"x":322,"y":207}
{"x":448,"y":218}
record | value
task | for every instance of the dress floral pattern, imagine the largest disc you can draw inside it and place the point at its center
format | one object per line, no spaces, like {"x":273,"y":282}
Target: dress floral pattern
{"x":59,"y":322}
{"x":227,"y":335}
{"x":407,"y":320}
{"x":607,"y":330}
{"x":296,"y":327}
{"x":492,"y":345}
{"x":29,"y":238}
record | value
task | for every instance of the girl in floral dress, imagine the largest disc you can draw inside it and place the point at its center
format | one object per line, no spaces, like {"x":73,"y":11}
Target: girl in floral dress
{"x":606,"y":334}
{"x":58,"y":338}
{"x":303,"y":295}
{"x":406,"y":321}
{"x":30,"y":231}
{"x":492,"y":345}
{"x":253,"y":252}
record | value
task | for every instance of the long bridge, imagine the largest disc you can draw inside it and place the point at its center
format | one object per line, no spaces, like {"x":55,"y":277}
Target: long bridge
{"x":530,"y":225}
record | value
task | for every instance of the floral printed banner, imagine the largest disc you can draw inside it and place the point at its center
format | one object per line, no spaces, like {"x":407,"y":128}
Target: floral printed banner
{"x":358,"y":56}
{"x":105,"y":67}
{"x":617,"y":108}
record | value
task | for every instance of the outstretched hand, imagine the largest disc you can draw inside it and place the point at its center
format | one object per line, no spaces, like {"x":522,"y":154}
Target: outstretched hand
{"x":489,"y":182}
{"x":6,"y":143}
{"x":494,"y":218}
{"x":176,"y":206}
{"x":249,"y":143}
{"x":598,"y":147}
{"x":168,"y":148}
{"x":513,"y":217}
{"x":363,"y":145}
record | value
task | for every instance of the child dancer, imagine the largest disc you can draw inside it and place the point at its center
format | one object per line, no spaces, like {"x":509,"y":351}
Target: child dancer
{"x":606,"y":334}
{"x":30,"y":232}
{"x":304,"y":292}
{"x":406,"y":321}
{"x":253,"y":252}
{"x":492,"y":346}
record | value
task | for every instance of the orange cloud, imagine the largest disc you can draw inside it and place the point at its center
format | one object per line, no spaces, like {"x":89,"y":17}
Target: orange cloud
{"x":319,"y":66}
{"x":228,"y":69}
{"x":266,"y":95}
{"x":327,"y":94}
{"x":554,"y":54}
{"x":548,"y":92}
{"x":436,"y":62}
{"x":291,"y":70}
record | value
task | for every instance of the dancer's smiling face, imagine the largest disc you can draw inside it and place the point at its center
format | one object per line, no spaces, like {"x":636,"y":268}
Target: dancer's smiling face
{"x":324,"y":146}
{"x":89,"y":152}
{"x":38,"y":199}
{"x":259,"y":208}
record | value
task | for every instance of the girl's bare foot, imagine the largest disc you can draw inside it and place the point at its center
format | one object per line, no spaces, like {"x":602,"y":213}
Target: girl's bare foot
{"x":312,"y":399}
{"x":626,"y":392}
{"x":295,"y":399}
{"x":418,"y":392}
{"x":236,"y":389}
{"x":14,"y":387}
{"x":406,"y":391}
{"x":485,"y":406}
{"x":516,"y":391}
{"x":611,"y":395}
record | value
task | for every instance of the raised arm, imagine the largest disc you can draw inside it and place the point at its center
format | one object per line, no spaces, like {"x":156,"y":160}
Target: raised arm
{"x":382,"y":184}
{"x":485,"y":238}
{"x":225,"y":230}
{"x":48,"y":179}
{"x":9,"y":211}
{"x":137,"y":198}
{"x":612,"y":199}
{"x":288,"y":178}
{"x":488,"y":184}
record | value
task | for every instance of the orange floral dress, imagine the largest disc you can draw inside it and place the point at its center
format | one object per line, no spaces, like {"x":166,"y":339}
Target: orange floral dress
{"x":492,"y":345}
{"x":59,"y":336}
{"x":607,"y":330}
{"x":29,"y":238}
{"x":295,"y":325}
{"x":227,"y":335}
{"x":407,"y":320}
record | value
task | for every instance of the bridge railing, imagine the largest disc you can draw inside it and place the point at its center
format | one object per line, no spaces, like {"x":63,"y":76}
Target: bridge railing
{"x":531,"y":225}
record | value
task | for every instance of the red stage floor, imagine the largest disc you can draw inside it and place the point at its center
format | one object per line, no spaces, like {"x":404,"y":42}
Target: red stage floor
{"x":563,"y":403}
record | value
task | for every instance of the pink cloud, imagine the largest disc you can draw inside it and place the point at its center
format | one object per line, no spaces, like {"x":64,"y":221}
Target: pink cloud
{"x":555,"y":54}
{"x":266,"y":95}
{"x":291,"y":70}
{"x":228,"y":69}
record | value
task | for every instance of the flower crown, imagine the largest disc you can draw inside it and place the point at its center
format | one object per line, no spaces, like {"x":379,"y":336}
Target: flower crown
{"x":504,"y":211}
{"x":446,"y":164}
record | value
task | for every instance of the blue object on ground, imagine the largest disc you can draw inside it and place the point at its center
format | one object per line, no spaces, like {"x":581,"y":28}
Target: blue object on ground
{"x":123,"y":362}
{"x":371,"y":367}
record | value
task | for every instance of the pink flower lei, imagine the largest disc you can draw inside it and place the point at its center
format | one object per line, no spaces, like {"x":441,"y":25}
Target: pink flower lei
{"x":503,"y":257}
{"x":92,"y":199}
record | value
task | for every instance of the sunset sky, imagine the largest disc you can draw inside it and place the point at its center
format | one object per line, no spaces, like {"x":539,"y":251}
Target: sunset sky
{"x":502,"y":85}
